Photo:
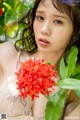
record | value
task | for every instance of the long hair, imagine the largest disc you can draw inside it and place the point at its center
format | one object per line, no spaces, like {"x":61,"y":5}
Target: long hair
{"x":28,"y":43}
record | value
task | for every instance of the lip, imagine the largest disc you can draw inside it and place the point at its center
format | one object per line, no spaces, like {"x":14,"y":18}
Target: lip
{"x":43,"y":42}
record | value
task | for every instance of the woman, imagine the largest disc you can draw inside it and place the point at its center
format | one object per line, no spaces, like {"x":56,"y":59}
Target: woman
{"x":56,"y":28}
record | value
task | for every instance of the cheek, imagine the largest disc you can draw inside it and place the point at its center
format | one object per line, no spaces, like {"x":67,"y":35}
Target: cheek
{"x":61,"y":38}
{"x":35,"y":27}
{"x":64,"y":35}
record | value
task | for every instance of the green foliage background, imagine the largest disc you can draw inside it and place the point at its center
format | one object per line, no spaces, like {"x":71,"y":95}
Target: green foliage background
{"x":14,"y":11}
{"x":11,"y":29}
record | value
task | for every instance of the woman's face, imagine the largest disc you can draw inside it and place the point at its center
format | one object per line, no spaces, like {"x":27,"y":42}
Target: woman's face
{"x":53,"y":30}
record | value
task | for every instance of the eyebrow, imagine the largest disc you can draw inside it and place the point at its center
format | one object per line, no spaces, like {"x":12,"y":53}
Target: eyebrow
{"x":60,"y":16}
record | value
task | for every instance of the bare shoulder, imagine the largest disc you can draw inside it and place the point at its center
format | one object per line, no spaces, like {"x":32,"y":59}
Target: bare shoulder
{"x":7,"y":46}
{"x":7,"y":51}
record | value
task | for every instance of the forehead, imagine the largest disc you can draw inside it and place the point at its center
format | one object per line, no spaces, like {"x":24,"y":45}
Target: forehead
{"x":48,"y":7}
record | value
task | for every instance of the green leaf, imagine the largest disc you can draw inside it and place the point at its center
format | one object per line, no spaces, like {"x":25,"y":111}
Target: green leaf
{"x":67,"y":70}
{"x":29,"y":4}
{"x":1,"y":30}
{"x":63,"y":69}
{"x":16,"y":3}
{"x":55,"y":105}
{"x":76,"y":70}
{"x":16,"y":14}
{"x":10,"y":16}
{"x":69,"y":83}
{"x":76,"y":76}
{"x":72,"y":58}
{"x":9,"y":4}
{"x":21,"y":11}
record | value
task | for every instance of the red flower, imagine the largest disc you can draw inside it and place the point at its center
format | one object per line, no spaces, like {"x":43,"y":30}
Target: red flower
{"x":35,"y":77}
{"x":1,"y":11}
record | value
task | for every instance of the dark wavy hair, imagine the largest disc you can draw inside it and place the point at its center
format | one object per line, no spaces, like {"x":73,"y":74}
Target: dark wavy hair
{"x":28,"y":43}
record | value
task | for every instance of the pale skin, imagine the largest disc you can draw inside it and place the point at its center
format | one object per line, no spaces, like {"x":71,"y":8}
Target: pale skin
{"x":50,"y":25}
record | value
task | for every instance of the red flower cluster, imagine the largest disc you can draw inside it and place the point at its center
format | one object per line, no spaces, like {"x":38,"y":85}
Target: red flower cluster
{"x":34,"y":77}
{"x":1,"y":11}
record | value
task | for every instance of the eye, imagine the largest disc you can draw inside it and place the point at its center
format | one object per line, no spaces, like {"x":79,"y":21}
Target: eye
{"x":39,"y":18}
{"x":58,"y":22}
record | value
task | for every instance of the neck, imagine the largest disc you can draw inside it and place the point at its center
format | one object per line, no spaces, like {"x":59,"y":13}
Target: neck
{"x":53,"y":58}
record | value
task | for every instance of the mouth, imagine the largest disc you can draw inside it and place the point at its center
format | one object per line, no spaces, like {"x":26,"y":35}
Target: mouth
{"x":43,"y":42}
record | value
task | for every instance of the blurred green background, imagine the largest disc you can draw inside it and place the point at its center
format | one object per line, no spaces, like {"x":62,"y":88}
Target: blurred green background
{"x":11,"y":20}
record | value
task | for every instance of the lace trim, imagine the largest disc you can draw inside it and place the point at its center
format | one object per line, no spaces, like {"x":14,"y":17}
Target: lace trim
{"x":25,"y":107}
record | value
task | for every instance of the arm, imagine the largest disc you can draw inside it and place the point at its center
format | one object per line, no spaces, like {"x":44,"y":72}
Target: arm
{"x":72,"y":109}
{"x":7,"y":55}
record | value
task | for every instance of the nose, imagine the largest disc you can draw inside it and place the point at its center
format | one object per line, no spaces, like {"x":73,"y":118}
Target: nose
{"x":46,"y":29}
